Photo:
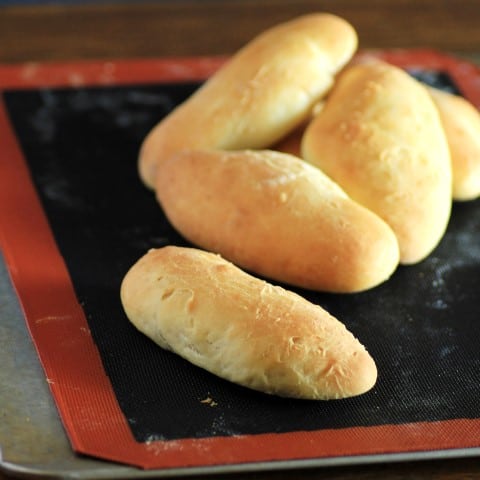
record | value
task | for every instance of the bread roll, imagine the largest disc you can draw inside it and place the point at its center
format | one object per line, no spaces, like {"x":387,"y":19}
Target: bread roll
{"x":262,"y":93}
{"x":275,"y":215}
{"x":461,"y":121}
{"x":243,"y":329}
{"x":379,"y":136}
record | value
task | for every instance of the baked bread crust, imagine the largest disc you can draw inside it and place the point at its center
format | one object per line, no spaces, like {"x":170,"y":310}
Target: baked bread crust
{"x":277,"y":216}
{"x":461,"y":121}
{"x":264,"y":91}
{"x":379,"y":136}
{"x":243,"y":329}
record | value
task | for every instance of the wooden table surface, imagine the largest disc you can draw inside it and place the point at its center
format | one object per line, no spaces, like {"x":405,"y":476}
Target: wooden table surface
{"x":197,"y":27}
{"x":208,"y":27}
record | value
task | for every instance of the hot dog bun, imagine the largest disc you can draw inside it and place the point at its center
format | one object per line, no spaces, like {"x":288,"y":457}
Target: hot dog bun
{"x":260,"y":94}
{"x":379,"y":136}
{"x":243,"y":329}
{"x":461,"y":121}
{"x":275,"y":215}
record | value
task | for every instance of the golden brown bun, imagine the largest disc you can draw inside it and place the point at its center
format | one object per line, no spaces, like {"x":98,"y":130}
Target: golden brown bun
{"x":275,"y":215}
{"x":379,"y":136}
{"x":262,"y":93}
{"x":243,"y":329}
{"x":461,"y":121}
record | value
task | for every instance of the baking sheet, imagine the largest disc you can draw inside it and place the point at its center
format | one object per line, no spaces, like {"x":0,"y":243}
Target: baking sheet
{"x":33,"y":441}
{"x":438,"y":427}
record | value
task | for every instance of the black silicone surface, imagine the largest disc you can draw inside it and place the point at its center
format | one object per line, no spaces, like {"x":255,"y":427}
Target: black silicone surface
{"x":421,"y":326}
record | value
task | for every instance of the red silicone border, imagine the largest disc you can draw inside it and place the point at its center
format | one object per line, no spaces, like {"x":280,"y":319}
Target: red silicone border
{"x":60,"y":331}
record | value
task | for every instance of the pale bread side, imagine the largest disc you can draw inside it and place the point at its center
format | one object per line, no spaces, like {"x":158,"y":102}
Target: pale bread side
{"x":243,"y":329}
{"x":461,"y":121}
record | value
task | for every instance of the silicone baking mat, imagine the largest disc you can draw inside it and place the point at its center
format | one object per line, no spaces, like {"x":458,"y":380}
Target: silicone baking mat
{"x":74,"y":217}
